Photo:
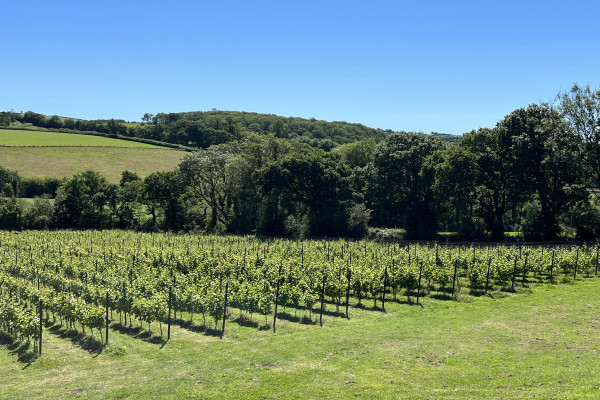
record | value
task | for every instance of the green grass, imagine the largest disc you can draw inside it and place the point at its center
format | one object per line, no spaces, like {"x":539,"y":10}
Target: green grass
{"x":542,"y":342}
{"x":10,"y":137}
{"x":59,"y":162}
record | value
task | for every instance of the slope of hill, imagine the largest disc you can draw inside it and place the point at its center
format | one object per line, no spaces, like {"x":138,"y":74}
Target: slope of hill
{"x":13,"y":137}
{"x":58,"y":155}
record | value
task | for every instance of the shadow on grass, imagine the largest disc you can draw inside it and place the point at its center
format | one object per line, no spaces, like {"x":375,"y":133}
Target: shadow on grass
{"x":206,"y":330}
{"x":340,"y":314}
{"x":390,"y":300}
{"x":508,"y":289}
{"x":88,"y":343}
{"x":23,"y":350}
{"x":138,"y":333}
{"x":442,"y":296}
{"x":244,"y":320}
{"x":295,"y":318}
{"x":478,"y":292}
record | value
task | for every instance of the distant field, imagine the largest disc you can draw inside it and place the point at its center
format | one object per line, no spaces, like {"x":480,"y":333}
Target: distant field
{"x":65,"y":161}
{"x":9,"y":137}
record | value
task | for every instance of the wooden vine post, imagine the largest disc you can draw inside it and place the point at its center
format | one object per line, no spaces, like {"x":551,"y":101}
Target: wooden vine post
{"x":419,"y":286}
{"x":454,"y":278}
{"x":322,"y":300}
{"x":41,"y":326}
{"x":277,"y":296}
{"x":576,"y":264}
{"x":524,"y":269}
{"x":552,"y":267}
{"x":107,"y":321}
{"x":597,"y":248}
{"x":514,"y":275}
{"x":169,"y":315}
{"x":348,"y":292}
{"x":487,"y":275}
{"x":384,"y":288}
{"x":225,"y":308}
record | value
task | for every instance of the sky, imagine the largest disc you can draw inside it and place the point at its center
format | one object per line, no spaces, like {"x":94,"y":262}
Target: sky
{"x":429,"y":66}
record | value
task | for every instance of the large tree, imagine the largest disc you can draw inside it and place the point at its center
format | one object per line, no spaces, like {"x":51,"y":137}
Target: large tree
{"x":398,"y":191}
{"x":456,"y":179}
{"x":161,"y":196}
{"x":544,"y":162}
{"x":80,"y":201}
{"x":312,"y":188}
{"x":205,"y":174}
{"x":581,"y":109}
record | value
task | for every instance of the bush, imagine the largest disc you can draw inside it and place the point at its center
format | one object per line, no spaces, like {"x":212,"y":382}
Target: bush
{"x":386,"y":235}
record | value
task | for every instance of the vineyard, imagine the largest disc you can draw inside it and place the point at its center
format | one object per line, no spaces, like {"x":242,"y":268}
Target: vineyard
{"x":87,"y":281}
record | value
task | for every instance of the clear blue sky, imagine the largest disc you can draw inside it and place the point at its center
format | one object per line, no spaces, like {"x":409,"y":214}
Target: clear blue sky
{"x":446,"y":66}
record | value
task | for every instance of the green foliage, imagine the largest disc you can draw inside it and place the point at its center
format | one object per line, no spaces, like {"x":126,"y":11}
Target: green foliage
{"x":581,"y":109}
{"x":80,"y":201}
{"x":9,"y":182}
{"x":203,"y":129}
{"x":386,"y":235}
{"x":257,"y":174}
{"x":38,"y":214}
{"x":398,"y":188}
{"x":11,"y":213}
{"x":32,"y":187}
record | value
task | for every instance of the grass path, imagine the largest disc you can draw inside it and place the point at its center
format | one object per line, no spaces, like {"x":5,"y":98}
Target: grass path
{"x":543,"y":342}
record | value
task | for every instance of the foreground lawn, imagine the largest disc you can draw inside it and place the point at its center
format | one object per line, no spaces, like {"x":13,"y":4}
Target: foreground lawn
{"x":60,"y":162}
{"x":543,"y":342}
{"x":10,"y":137}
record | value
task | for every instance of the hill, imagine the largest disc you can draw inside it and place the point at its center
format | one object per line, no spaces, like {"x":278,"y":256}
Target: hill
{"x":201,"y":129}
{"x":205,"y":128}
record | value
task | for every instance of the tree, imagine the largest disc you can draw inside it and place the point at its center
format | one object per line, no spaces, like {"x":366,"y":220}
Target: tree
{"x":39,"y":214}
{"x":10,"y":183}
{"x":456,"y":179}
{"x":313,"y":189}
{"x":581,"y":109}
{"x":205,"y":175}
{"x":11,"y":213}
{"x":162,"y":192}
{"x":397,"y":191}
{"x":80,"y":201}
{"x":250,"y":209}
{"x":544,"y":162}
{"x":357,"y":154}
{"x":115,"y":127}
{"x":496,"y":189}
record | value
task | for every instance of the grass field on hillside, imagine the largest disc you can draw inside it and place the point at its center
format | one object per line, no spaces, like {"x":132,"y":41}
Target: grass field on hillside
{"x":10,"y":137}
{"x":61,"y":162}
{"x":543,"y":342}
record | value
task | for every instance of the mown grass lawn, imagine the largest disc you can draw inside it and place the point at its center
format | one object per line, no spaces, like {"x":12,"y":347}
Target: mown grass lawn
{"x":11,"y":137}
{"x":63,"y":162}
{"x":543,"y":342}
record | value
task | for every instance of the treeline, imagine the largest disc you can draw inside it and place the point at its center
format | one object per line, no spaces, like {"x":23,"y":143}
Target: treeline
{"x":535,"y":173}
{"x":204,"y":129}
